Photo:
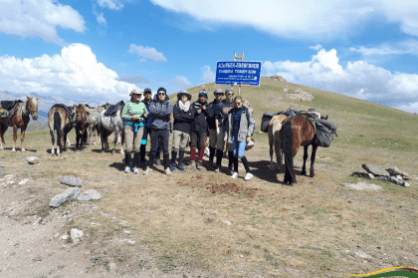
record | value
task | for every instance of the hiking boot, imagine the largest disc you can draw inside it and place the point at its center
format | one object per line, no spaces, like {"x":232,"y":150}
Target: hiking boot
{"x":230,"y":171}
{"x":158,"y":162}
{"x":148,"y":171}
{"x":181,"y":167}
{"x":127,"y":169}
{"x":142,"y":164}
{"x":248,"y":176}
{"x":192,"y":164}
{"x":199,"y":165}
{"x":234,"y":175}
{"x":217,"y":170}
{"x":210,"y":164}
{"x":136,"y":171}
{"x":173,"y":167}
{"x":167,"y":171}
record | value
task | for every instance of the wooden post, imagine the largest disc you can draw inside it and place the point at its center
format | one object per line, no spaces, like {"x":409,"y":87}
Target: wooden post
{"x":242,"y":59}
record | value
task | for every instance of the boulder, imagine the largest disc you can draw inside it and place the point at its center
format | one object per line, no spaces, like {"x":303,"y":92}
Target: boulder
{"x":66,"y":196}
{"x":394,"y":171}
{"x":88,"y":195}
{"x":375,"y":170}
{"x":300,"y":95}
{"x":71,"y":181}
{"x":32,"y":160}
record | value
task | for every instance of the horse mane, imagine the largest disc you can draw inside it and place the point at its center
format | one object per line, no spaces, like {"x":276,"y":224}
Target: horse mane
{"x":21,"y":107}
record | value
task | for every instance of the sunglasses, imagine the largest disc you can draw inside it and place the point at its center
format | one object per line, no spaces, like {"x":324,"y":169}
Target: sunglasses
{"x":161,"y":94}
{"x":229,"y":94}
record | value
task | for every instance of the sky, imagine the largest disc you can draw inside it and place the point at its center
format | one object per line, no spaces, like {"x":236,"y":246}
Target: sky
{"x":102,"y":49}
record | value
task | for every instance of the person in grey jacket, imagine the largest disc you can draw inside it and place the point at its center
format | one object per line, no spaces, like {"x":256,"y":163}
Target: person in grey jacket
{"x":161,"y":110}
{"x":240,"y":127}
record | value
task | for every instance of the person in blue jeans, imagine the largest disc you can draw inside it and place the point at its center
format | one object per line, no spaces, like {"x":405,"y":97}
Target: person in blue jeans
{"x":240,"y":127}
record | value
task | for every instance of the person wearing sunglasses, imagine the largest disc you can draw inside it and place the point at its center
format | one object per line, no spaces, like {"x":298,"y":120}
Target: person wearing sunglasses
{"x":161,"y":110}
{"x":183,"y":114}
{"x":222,"y":117}
{"x":240,"y":127}
{"x":213,"y":124}
{"x":199,"y":128}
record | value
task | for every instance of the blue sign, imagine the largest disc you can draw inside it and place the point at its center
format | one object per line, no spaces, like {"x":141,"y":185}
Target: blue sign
{"x":238,"y":73}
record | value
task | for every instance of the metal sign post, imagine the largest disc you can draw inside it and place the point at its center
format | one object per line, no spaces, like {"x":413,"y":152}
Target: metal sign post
{"x":242,"y":59}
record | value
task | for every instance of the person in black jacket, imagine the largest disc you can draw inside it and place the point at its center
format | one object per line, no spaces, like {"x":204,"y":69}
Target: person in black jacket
{"x":199,"y":127}
{"x":183,"y":114}
{"x":213,"y":124}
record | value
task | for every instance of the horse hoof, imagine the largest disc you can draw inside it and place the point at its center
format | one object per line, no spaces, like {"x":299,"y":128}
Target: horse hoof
{"x":303,"y":173}
{"x":13,"y":151}
{"x":2,"y":148}
{"x":52,"y":154}
{"x":23,"y":151}
{"x":312,"y":175}
{"x":113,"y":152}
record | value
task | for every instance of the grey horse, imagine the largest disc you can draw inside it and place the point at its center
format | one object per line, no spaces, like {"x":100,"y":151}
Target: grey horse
{"x":109,"y":124}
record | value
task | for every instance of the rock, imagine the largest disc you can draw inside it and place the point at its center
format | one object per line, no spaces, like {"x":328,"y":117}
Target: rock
{"x":32,"y":160}
{"x":375,"y":170}
{"x":67,"y":195}
{"x":356,"y":254}
{"x":361,"y":175}
{"x":394,"y":171}
{"x":394,"y":180}
{"x":278,"y":78}
{"x":316,"y":247}
{"x":371,"y":176}
{"x":76,"y":235}
{"x":226,"y":222}
{"x":285,"y":89}
{"x":23,"y":182}
{"x":300,"y":95}
{"x":88,"y":195}
{"x":399,"y":177}
{"x":71,"y":181}
{"x":406,"y":184}
{"x":363,"y":186}
{"x":2,"y":165}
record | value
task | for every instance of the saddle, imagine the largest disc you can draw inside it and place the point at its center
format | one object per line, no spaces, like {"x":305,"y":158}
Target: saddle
{"x":60,"y":105}
{"x":10,"y":107}
{"x":111,"y":111}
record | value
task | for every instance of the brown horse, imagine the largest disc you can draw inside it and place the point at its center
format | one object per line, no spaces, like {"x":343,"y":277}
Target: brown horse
{"x":297,"y":131}
{"x":275,"y":126}
{"x":20,"y":119}
{"x":59,"y":120}
{"x":81,"y":125}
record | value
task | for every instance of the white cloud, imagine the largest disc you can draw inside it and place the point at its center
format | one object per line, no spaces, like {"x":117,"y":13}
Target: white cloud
{"x":299,"y":18}
{"x":146,"y":52}
{"x":38,"y":18}
{"x":358,"y":79}
{"x":316,"y":47}
{"x":181,"y":82}
{"x":73,"y":73}
{"x":404,"y":47}
{"x":100,"y":18}
{"x":208,"y":75}
{"x":111,"y":4}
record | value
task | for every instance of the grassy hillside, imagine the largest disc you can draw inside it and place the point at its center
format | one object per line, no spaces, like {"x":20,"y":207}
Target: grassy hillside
{"x":313,"y":229}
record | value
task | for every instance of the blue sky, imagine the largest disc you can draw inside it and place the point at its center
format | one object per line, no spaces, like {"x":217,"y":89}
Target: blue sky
{"x":85,"y":49}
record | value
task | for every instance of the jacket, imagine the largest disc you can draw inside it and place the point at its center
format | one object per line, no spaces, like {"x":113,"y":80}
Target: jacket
{"x":161,"y":112}
{"x":147,"y":121}
{"x":199,"y":123}
{"x":246,"y":125}
{"x":182,"y":120}
{"x":223,"y":111}
{"x":216,"y":110}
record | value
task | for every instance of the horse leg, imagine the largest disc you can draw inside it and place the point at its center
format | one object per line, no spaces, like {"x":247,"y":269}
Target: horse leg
{"x":22,"y":138}
{"x":271,"y":149}
{"x":53,"y":141}
{"x":2,"y":130}
{"x":14,"y":138}
{"x":278,"y":149}
{"x":313,"y":155}
{"x":123,"y":142}
{"x":289,"y":152}
{"x":115,"y":141}
{"x":305,"y":157}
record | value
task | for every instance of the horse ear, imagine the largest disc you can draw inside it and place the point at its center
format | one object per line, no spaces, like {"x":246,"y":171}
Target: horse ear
{"x":28,"y":97}
{"x":37,"y":98}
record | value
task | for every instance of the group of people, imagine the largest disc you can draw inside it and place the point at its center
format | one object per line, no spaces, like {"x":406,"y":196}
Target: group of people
{"x":221,"y":119}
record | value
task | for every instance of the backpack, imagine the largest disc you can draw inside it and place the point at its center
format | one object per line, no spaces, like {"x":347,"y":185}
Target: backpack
{"x":325,"y":131}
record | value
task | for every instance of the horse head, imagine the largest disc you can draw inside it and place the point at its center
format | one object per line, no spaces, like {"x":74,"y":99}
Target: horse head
{"x":32,"y":106}
{"x":80,"y":113}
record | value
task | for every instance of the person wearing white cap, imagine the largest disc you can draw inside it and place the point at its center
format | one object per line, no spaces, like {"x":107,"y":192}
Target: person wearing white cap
{"x":133,"y":114}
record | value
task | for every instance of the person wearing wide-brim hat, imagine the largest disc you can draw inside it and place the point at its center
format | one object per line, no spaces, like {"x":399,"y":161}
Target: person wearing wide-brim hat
{"x":213,"y":124}
{"x":183,"y":114}
{"x":133,"y":115}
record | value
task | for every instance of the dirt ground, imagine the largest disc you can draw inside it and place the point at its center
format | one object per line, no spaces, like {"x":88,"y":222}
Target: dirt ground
{"x":197,"y":223}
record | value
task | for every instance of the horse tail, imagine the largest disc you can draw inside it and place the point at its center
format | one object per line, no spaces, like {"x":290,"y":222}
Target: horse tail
{"x":57,"y":126}
{"x":288,"y":153}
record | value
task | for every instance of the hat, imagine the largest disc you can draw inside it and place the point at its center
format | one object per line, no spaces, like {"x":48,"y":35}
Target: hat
{"x":218,"y":92}
{"x":147,"y":91}
{"x":229,"y":90}
{"x":135,"y":91}
{"x":203,"y":94}
{"x":179,"y":95}
{"x":162,"y":89}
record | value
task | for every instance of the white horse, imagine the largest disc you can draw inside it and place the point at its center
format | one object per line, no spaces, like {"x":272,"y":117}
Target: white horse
{"x":109,"y":124}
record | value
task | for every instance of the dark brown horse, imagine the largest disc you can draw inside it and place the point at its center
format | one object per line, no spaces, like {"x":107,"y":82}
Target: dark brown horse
{"x":297,"y":131}
{"x":81,"y":125}
{"x":59,"y":121}
{"x":20,"y":119}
